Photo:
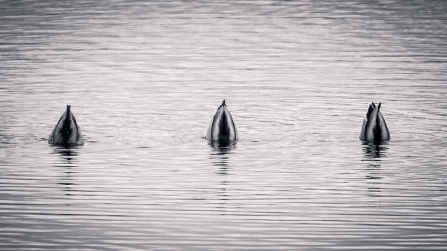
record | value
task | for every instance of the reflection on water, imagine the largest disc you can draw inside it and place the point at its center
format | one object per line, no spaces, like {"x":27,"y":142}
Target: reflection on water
{"x":68,"y":162}
{"x":374,"y":153}
{"x":68,"y":155}
{"x":220,"y":154}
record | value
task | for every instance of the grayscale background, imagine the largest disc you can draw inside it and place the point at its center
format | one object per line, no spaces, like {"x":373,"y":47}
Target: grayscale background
{"x":144,"y":79}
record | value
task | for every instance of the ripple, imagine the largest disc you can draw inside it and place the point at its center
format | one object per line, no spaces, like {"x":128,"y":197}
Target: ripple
{"x":145,"y":78}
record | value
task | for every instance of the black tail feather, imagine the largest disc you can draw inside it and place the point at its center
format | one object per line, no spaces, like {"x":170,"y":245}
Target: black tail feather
{"x":224,"y":128}
{"x":66,"y":129}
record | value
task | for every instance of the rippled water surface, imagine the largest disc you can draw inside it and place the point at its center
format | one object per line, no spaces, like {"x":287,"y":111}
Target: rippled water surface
{"x":144,"y":79}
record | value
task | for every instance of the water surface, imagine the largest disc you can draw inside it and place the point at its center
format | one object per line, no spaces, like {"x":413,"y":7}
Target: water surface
{"x":145,"y":78}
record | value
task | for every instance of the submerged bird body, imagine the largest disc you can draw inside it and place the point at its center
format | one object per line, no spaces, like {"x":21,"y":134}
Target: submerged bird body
{"x":66,"y":131}
{"x":222,"y":127}
{"x":374,"y":127}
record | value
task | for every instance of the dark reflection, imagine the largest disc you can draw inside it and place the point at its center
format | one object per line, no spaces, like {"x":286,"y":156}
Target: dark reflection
{"x":69,"y":160}
{"x":374,"y":153}
{"x":67,"y":153}
{"x":375,"y":149}
{"x":220,"y":154}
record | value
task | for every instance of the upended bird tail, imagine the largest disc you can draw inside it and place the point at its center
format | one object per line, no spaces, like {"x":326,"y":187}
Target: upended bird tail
{"x":224,"y":128}
{"x":377,"y":129}
{"x":66,"y":129}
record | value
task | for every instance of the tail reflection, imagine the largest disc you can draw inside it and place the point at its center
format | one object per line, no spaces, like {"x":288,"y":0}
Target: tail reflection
{"x":69,"y":160}
{"x":220,"y":154}
{"x":373,"y":155}
{"x":68,"y":155}
{"x":373,"y":150}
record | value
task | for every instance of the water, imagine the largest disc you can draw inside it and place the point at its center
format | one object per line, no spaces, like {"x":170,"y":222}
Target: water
{"x":145,"y":78}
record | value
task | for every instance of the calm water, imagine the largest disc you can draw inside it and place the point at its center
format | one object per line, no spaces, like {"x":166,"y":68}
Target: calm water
{"x":145,"y":78}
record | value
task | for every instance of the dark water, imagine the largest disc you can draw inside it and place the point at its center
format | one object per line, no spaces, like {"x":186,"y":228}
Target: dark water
{"x":144,"y":80}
